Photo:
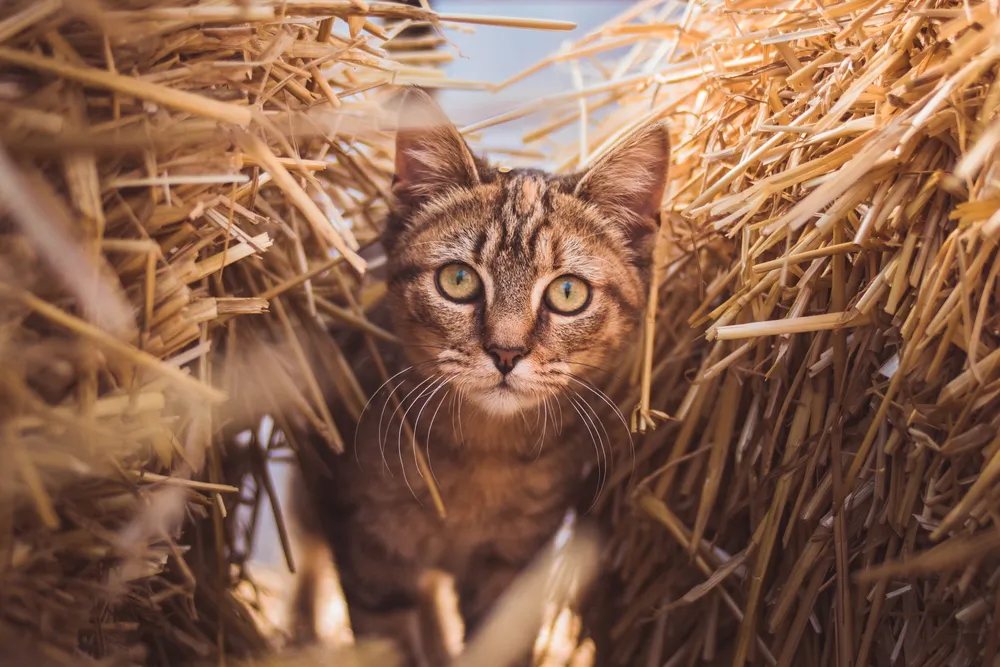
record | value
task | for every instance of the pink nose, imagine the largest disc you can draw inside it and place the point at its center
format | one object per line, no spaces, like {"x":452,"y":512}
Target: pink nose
{"x":505,"y":358}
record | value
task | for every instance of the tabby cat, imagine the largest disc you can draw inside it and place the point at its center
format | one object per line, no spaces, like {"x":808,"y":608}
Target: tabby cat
{"x":512,"y":291}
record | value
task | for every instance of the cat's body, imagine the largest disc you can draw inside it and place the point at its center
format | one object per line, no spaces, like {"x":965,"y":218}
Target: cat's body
{"x":504,"y":496}
{"x":513,"y":291}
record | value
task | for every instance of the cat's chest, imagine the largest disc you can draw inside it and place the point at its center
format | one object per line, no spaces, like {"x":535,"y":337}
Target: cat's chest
{"x":495,"y":487}
{"x":494,"y":497}
{"x":482,"y":480}
{"x":509,"y":504}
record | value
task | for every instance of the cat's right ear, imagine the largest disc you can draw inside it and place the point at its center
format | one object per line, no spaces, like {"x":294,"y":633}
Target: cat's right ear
{"x":431,"y":155}
{"x":629,"y":181}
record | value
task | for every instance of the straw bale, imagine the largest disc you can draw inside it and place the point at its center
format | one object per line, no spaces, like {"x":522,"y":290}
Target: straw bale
{"x":188,"y":194}
{"x":815,"y":482}
{"x":191,"y":193}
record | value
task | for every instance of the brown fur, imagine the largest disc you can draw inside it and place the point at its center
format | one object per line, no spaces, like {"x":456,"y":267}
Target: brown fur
{"x":508,"y":454}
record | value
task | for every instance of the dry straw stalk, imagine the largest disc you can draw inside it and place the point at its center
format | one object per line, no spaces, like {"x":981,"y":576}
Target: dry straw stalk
{"x":829,"y":465}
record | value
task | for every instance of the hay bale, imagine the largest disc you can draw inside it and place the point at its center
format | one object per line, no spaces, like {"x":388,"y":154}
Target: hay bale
{"x":187,"y":193}
{"x":815,"y":389}
{"x":818,"y":470}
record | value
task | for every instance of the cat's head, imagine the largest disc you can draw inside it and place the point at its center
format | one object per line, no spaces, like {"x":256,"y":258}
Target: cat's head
{"x":515,"y":284}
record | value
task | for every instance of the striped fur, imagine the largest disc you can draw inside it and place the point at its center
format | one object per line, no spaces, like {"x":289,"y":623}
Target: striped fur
{"x":519,"y":230}
{"x":507,"y":452}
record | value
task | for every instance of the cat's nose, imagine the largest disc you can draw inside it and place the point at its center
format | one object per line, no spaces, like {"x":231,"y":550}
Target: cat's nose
{"x":505,"y":358}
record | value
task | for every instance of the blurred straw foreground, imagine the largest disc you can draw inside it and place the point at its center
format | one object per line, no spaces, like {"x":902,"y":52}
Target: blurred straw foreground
{"x":187,"y":193}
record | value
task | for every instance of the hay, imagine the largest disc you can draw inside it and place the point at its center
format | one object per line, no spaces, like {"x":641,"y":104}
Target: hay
{"x":189,"y":192}
{"x":817,"y":388}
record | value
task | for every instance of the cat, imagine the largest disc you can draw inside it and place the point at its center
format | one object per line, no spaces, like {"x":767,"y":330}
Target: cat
{"x":513,"y":291}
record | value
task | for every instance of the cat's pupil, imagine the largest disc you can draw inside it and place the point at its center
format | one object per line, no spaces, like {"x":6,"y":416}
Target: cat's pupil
{"x":567,"y":288}
{"x":459,"y":277}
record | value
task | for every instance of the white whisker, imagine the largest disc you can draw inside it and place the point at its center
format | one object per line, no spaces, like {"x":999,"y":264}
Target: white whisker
{"x":381,"y":418}
{"x":416,"y":422}
{"x":402,"y":422}
{"x":598,"y":422}
{"x":524,"y":419}
{"x":365,"y":409}
{"x":607,"y":400}
{"x":596,"y":419}
{"x":454,"y":409}
{"x":545,"y":423}
{"x":597,"y":450}
{"x":383,"y":443}
{"x":427,"y":440}
{"x":461,"y":426}
{"x":562,"y":419}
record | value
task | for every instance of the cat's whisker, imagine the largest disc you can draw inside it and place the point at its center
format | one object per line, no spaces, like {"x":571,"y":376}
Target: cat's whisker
{"x":427,"y":440}
{"x":524,"y":419}
{"x":611,"y":404}
{"x":361,"y":416}
{"x":430,"y":382}
{"x":385,"y":442}
{"x":545,"y":423}
{"x":603,"y":396}
{"x":596,"y":368}
{"x":372,"y":398}
{"x":428,"y":346}
{"x":562,"y":418}
{"x":416,"y":422}
{"x":461,"y":427}
{"x":598,"y":422}
{"x":597,"y":449}
{"x":453,"y":407}
{"x":429,"y":392}
{"x":381,"y":419}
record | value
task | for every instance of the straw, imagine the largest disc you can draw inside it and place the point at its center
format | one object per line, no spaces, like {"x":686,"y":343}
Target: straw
{"x":820,"y":359}
{"x":830,"y":241}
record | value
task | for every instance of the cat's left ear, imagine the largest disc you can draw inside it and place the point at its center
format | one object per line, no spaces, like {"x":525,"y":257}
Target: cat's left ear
{"x":629,"y":181}
{"x":431,"y":155}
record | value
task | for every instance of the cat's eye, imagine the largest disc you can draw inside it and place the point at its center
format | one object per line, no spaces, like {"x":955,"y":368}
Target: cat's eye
{"x":567,"y":295}
{"x":459,"y":282}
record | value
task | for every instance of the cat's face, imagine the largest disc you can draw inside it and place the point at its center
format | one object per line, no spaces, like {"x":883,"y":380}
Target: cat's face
{"x":514,"y":286}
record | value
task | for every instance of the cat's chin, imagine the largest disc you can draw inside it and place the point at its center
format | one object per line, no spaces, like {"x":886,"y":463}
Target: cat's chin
{"x":504,"y":401}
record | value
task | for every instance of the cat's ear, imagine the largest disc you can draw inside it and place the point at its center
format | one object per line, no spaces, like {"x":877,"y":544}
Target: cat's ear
{"x":628,"y":182}
{"x":431,"y":155}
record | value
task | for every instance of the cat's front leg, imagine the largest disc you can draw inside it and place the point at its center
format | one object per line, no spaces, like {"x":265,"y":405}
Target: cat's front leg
{"x":387,"y":600}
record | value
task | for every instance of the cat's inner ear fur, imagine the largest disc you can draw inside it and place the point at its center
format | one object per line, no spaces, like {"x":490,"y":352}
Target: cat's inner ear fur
{"x":431,"y":155}
{"x":629,"y":181}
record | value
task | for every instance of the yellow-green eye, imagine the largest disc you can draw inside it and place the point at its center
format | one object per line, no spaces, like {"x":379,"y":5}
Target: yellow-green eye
{"x":567,"y":295}
{"x":459,"y":282}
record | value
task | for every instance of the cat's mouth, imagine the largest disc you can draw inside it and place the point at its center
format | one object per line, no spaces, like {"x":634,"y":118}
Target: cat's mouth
{"x":498,"y":393}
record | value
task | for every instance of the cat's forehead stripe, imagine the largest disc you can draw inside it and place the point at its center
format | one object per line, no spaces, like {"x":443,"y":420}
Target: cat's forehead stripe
{"x":527,"y":196}
{"x":521,"y":225}
{"x":477,"y":249}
